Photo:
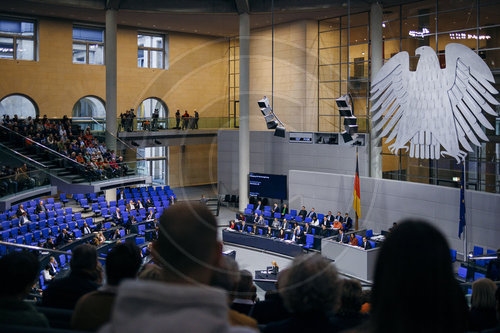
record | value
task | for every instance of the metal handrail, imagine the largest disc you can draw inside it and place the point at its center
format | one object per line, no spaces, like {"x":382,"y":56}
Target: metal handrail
{"x":123,"y":142}
{"x":38,"y":248}
{"x":23,"y":156}
{"x":40,"y":145}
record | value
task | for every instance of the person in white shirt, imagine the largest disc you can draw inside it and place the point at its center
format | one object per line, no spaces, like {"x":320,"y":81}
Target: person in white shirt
{"x":47,"y":277}
{"x":85,"y":229}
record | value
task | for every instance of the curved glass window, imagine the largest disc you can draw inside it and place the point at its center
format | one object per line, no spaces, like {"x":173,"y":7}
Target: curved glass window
{"x":21,"y":105}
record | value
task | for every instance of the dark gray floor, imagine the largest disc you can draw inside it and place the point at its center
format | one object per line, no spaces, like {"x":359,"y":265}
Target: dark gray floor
{"x":195,"y":192}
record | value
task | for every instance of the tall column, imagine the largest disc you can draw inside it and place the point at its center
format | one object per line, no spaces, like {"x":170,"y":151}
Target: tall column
{"x":111,"y":78}
{"x":244,"y":132}
{"x":377,"y":59}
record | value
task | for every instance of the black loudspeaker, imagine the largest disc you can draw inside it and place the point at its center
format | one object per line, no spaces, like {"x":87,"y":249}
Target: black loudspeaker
{"x":280,"y":131}
{"x":348,"y":121}
{"x":345,"y":112}
{"x":346,"y":136}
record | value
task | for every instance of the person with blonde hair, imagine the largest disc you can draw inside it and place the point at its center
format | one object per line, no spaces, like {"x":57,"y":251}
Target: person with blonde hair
{"x":482,"y":314}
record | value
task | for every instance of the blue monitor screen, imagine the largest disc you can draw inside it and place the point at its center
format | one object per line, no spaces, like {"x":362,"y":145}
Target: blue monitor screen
{"x":267,"y":186}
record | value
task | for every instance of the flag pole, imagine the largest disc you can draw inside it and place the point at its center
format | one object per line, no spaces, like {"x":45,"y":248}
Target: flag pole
{"x":356,"y":224}
{"x":466,"y":257}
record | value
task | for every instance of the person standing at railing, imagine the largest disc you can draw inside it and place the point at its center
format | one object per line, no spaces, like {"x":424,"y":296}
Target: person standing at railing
{"x":196,"y":118}
{"x":177,"y":119}
{"x":185,"y":120}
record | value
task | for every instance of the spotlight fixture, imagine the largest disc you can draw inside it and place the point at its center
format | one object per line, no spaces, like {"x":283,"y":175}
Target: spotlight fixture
{"x":272,"y":121}
{"x":346,"y":110}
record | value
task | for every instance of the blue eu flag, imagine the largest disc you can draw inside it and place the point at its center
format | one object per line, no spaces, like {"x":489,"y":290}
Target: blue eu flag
{"x":461,"y":224}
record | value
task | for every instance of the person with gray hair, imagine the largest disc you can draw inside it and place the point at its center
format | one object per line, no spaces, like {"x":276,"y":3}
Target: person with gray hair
{"x":228,"y":278}
{"x":310,"y":291}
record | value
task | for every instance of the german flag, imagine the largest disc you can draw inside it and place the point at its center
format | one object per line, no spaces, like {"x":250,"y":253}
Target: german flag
{"x":356,"y":204}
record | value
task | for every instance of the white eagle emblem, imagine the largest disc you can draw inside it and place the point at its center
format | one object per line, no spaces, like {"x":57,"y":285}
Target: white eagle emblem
{"x":439,"y":111}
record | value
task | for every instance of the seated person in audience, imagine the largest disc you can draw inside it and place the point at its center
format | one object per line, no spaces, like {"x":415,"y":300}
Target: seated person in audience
{"x":244,"y":293}
{"x":117,"y":216}
{"x":348,"y":222}
{"x":24,"y":219}
{"x":341,"y":237}
{"x":324,"y":231}
{"x":284,"y":210}
{"x":94,"y":309}
{"x":259,"y":206}
{"x":307,"y":229}
{"x":276,"y":223}
{"x":254,"y":230}
{"x":139,"y":204}
{"x":63,"y":238}
{"x":243,"y":227}
{"x":348,"y":315}
{"x":261,"y":220}
{"x":95,"y":241}
{"x":149,"y":203}
{"x":329,"y":217}
{"x":187,"y":251}
{"x":255,"y":218}
{"x":312,"y":213}
{"x":101,"y":237}
{"x":228,"y":278}
{"x":394,"y":226}
{"x":337,"y":225}
{"x":20,"y":211}
{"x":241,"y":217}
{"x":130,"y":206}
{"x":232,"y":225}
{"x":493,"y":269}
{"x":482,"y":314}
{"x":86,"y":229}
{"x":281,"y":234}
{"x":19,"y":273}
{"x":269,"y":232}
{"x":64,"y":293}
{"x":116,"y":235}
{"x":275,"y":209}
{"x":47,"y":277}
{"x":366,"y":244}
{"x":121,"y":195}
{"x":49,"y":244}
{"x":405,"y":287}
{"x":303,"y":212}
{"x":171,"y":199}
{"x":286,"y":224}
{"x":151,"y":215}
{"x":353,"y":240}
{"x":310,"y":292}
{"x":339,"y":217}
{"x":497,"y":328}
{"x":40,"y":207}
{"x":52,"y":266}
{"x":298,"y":235}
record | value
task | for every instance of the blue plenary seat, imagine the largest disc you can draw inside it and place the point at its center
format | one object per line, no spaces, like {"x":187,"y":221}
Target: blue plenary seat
{"x":453,"y":254}
{"x":372,"y":243}
{"x":309,"y":241}
{"x":369,"y":233}
{"x":462,"y":272}
{"x":277,"y":215}
{"x":122,"y":233}
{"x":77,"y":233}
{"x":308,"y":220}
{"x":250,"y":206}
{"x":298,"y":218}
{"x":360,"y":240}
{"x":478,"y":275}
{"x":267,"y":213}
{"x":248,"y":211}
{"x":267,"y":208}
{"x":63,"y":198}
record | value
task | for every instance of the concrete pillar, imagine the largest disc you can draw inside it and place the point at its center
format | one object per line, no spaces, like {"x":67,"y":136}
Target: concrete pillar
{"x":110,"y":195}
{"x":244,"y":132}
{"x":111,"y":78}
{"x":377,"y":59}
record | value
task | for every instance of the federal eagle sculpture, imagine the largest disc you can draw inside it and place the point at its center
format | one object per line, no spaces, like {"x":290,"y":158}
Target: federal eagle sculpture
{"x":439,"y":112}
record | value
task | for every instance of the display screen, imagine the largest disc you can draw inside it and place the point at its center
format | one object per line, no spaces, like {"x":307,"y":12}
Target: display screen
{"x":267,"y":186}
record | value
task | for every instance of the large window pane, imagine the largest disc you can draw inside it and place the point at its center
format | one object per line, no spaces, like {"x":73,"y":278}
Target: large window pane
{"x":416,"y":27}
{"x":157,"y":42}
{"x":489,"y":15}
{"x":79,"y":53}
{"x":143,"y":58}
{"x":488,"y":37}
{"x":391,"y":29}
{"x":444,"y":5}
{"x":96,"y":54}
{"x":419,"y":8}
{"x":329,"y":73}
{"x":467,"y":38}
{"x":457,"y":20}
{"x":329,"y":24}
{"x":358,"y":52}
{"x":143,"y":40}
{"x":25,"y":49}
{"x":6,"y":48}
{"x":88,"y":34}
{"x":329,"y":38}
{"x":358,"y":35}
{"x":156,"y":59}
{"x":17,"y":27}
{"x":492,"y":58}
{"x":329,"y":90}
{"x":391,"y":48}
{"x":17,"y":104}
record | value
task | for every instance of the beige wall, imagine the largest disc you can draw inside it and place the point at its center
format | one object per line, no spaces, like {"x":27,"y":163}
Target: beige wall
{"x":196,"y":78}
{"x":295,"y":74}
{"x":192,"y":165}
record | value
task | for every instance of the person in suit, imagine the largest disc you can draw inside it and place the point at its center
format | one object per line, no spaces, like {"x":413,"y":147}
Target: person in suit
{"x":254,"y":230}
{"x":139,"y":204}
{"x":286,"y":224}
{"x":303,"y":212}
{"x":86,"y":229}
{"x":299,"y":236}
{"x":40,"y":207}
{"x":275,"y":208}
{"x":341,"y":237}
{"x":255,"y":218}
{"x":242,"y":229}
{"x":366,"y":244}
{"x":116,"y":235}
{"x":276,"y":223}
{"x":339,"y":217}
{"x":24,"y":219}
{"x":20,"y":211}
{"x":149,"y":203}
{"x":330,"y":217}
{"x":130,"y":206}
{"x":312,"y":213}
{"x":49,"y":244}
{"x":63,"y":238}
{"x":348,"y":222}
{"x":151,"y":215}
{"x":325,"y":221}
{"x":353,"y":240}
{"x":117,"y":216}
{"x":261,"y":221}
{"x":307,"y":229}
{"x":324,"y":231}
{"x":121,"y":195}
{"x":284,"y":210}
{"x":259,"y":206}
{"x":52,"y":266}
